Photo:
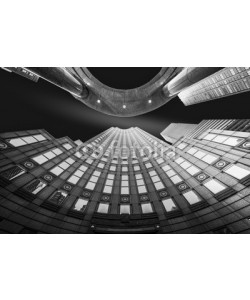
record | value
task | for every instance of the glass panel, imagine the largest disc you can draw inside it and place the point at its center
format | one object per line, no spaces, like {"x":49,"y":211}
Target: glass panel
{"x":17,"y":142}
{"x":193,"y":170}
{"x":67,"y":146}
{"x":169,"y":204}
{"x":100,"y":165}
{"x":57,"y":171}
{"x":39,"y":137}
{"x":142,"y":189}
{"x":73,"y":179}
{"x":233,"y":141}
{"x":209,"y":158}
{"x":83,"y":168}
{"x":159,"y":185}
{"x":64,"y":165}
{"x":124,"y":209}
{"x":185,"y":165}
{"x":179,"y":160}
{"x":50,"y":155}
{"x":192,"y":151}
{"x":107,"y":189}
{"x":35,"y":187}
{"x":182,"y":146}
{"x":125,"y":190}
{"x":176,"y":179}
{"x":57,"y":151}
{"x":237,"y":172}
{"x":90,"y":185}
{"x":78,"y":173}
{"x":214,"y":186}
{"x":209,"y":137}
{"x":29,"y":139}
{"x":80,"y":204}
{"x":58,"y":197}
{"x":192,"y":197}
{"x":103,"y":208}
{"x":146,"y":208}
{"x":40,"y":159}
{"x":170,"y":173}
{"x":70,"y":161}
{"x":12,"y":172}
{"x":220,"y":139}
{"x":199,"y":154}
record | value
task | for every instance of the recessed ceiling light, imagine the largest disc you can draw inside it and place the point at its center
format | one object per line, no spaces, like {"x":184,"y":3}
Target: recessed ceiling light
{"x":98,"y":101}
{"x":124,"y":106}
{"x":149,"y":101}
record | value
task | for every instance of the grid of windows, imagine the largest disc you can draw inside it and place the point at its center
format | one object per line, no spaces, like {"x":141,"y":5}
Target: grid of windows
{"x":42,"y":158}
{"x":156,"y":180}
{"x":140,"y":184}
{"x":26,"y":140}
{"x":109,"y":184}
{"x":62,"y":166}
{"x":124,"y":185}
{"x":77,"y":174}
{"x":222,"y":139}
{"x":93,"y":180}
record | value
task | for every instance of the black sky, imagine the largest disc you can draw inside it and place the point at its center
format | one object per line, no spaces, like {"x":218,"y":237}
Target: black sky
{"x":28,"y":105}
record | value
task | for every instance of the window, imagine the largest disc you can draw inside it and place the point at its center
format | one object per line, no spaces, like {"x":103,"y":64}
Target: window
{"x":192,"y":151}
{"x":80,"y":204}
{"x":214,"y":186}
{"x":124,"y":209}
{"x":237,"y":172}
{"x":146,"y":208}
{"x":40,"y":159}
{"x":191,"y":197}
{"x":67,"y":146}
{"x":179,"y":160}
{"x":124,"y":169}
{"x":112,"y":168}
{"x":176,"y":179}
{"x":160,"y":161}
{"x":148,"y":165}
{"x":62,"y":166}
{"x":93,"y":180}
{"x":209,"y":158}
{"x":77,"y":174}
{"x":58,"y":197}
{"x":35,"y":186}
{"x":25,"y":140}
{"x":137,"y":168}
{"x":78,"y":154}
{"x":141,"y":184}
{"x":185,"y":165}
{"x":182,"y":146}
{"x":103,"y":208}
{"x":166,"y":168}
{"x":13,"y":172}
{"x":199,"y":154}
{"x":169,"y":205}
{"x":193,"y":170}
{"x":109,"y":184}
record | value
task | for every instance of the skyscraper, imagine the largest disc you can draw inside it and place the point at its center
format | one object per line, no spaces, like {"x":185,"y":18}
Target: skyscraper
{"x":224,"y":83}
{"x":127,"y":181}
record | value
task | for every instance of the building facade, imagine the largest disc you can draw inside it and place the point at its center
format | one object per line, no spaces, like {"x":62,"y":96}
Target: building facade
{"x":127,"y":181}
{"x":175,"y":131}
{"x":224,"y":83}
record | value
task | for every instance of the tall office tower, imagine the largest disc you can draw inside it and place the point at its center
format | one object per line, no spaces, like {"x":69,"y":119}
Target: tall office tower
{"x":175,"y":131}
{"x":224,"y":83}
{"x":127,"y":181}
{"x":23,"y":72}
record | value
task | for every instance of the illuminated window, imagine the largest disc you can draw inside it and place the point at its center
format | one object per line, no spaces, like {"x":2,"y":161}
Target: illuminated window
{"x":124,"y":209}
{"x":35,"y":186}
{"x":182,"y":146}
{"x":80,"y":204}
{"x":25,"y":140}
{"x":93,"y":180}
{"x":169,"y":204}
{"x":146,"y":208}
{"x":109,"y":184}
{"x":191,"y":197}
{"x":77,"y":174}
{"x":103,"y":208}
{"x":214,"y":186}
{"x":67,"y":146}
{"x":237,"y":171}
{"x":12,"y":172}
{"x":40,"y":159}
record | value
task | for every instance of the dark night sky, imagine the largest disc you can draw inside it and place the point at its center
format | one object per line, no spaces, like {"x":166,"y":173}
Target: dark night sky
{"x":28,"y":105}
